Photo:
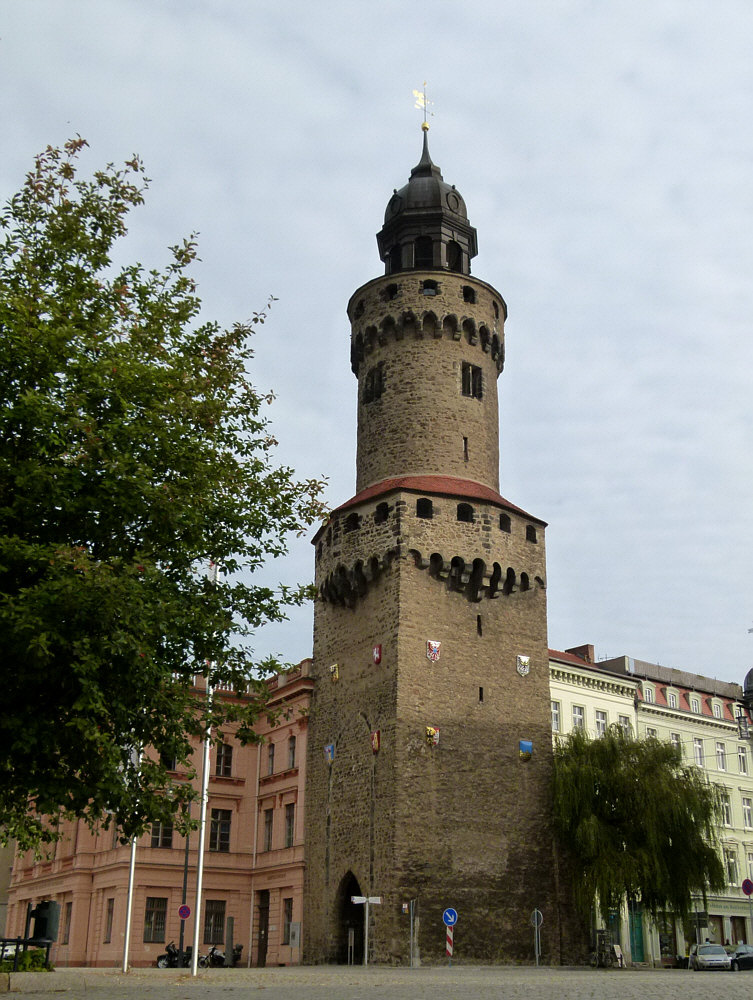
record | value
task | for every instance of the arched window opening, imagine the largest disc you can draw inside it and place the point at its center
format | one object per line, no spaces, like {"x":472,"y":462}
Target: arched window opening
{"x":471,"y":380}
{"x":509,"y":584}
{"x":465,"y":513}
{"x":389,"y":293}
{"x":531,"y":533}
{"x":457,"y":568}
{"x":436,"y":564}
{"x":424,"y":252}
{"x":352,"y":522}
{"x":429,"y":288}
{"x":396,"y":259}
{"x":381,"y":513}
{"x":454,"y":256}
{"x":524,"y":582}
{"x":505,"y":524}
{"x":469,"y":294}
{"x":359,"y":310}
{"x":424,"y":507}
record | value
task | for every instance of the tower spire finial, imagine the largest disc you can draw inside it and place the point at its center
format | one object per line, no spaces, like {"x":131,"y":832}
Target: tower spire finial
{"x":423,"y":105}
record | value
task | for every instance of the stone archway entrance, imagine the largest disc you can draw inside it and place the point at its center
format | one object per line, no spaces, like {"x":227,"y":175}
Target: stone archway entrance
{"x":349,"y":922}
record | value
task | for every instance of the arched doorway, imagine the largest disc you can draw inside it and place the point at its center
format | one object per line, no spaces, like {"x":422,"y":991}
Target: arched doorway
{"x":349,"y":921}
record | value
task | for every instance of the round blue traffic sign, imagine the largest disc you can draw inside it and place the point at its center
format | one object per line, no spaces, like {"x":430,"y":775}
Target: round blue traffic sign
{"x":450,"y":916}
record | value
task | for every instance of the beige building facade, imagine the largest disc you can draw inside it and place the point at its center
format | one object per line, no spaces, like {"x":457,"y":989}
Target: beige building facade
{"x":710,"y":721}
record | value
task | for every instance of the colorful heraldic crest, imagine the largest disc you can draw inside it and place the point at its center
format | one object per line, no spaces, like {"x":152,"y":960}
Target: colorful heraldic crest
{"x":376,"y":740}
{"x":334,"y":672}
{"x":432,"y":735}
{"x":432,"y":650}
{"x":377,"y":654}
{"x":526,"y":749}
{"x":524,"y":665}
{"x":329,"y":752}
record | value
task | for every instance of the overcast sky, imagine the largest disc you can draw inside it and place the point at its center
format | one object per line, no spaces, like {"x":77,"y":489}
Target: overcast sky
{"x":604,"y":149}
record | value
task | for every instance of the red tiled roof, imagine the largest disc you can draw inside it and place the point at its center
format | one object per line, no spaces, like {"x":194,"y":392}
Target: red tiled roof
{"x":556,"y":654}
{"x":437,"y":485}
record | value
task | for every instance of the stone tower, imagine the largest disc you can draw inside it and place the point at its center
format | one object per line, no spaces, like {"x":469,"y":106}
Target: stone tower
{"x":429,"y":752}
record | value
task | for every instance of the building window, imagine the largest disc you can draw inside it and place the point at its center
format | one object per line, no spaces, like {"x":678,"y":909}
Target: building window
{"x":271,"y":759}
{"x":698,"y":751}
{"x":291,"y":752}
{"x":429,"y":288}
{"x":465,"y":513}
{"x":373,"y":384}
{"x":650,"y":733}
{"x":454,"y":257}
{"x":155,"y":916}
{"x":224,"y":763}
{"x":471,"y":381}
{"x":469,"y":294}
{"x":289,"y":824}
{"x":721,"y":756}
{"x":109,"y":914}
{"x":214,"y":921}
{"x":555,"y":716}
{"x":381,"y":513}
{"x":717,"y":710}
{"x":579,"y":717}
{"x":219,"y":830}
{"x":352,"y":522}
{"x":169,"y":763}
{"x":67,"y":923}
{"x":505,"y":524}
{"x":424,"y":507}
{"x":624,"y":724}
{"x":162,"y":834}
{"x":531,"y":533}
{"x":648,"y":695}
{"x":695,"y":706}
{"x":675,"y":741}
{"x":726,"y":809}
{"x":287,"y":918}
{"x":730,"y":863}
{"x":750,"y":864}
{"x":268,"y":826}
{"x":671,"y":699}
{"x":424,"y":251}
{"x":742,"y":759}
{"x":747,"y":813}
{"x":601,"y":722}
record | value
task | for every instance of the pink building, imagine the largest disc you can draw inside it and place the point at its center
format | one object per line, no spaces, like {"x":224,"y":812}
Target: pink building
{"x":253,"y":865}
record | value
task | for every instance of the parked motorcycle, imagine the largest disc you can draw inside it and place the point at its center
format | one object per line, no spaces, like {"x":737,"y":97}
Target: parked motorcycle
{"x":171,"y":958}
{"x":216,"y":959}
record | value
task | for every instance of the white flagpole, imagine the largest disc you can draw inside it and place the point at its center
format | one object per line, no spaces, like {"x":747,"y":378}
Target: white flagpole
{"x":129,"y":905}
{"x":202,"y":816}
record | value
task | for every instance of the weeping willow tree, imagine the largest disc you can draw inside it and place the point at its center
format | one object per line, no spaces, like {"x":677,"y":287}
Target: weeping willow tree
{"x":637,"y":823}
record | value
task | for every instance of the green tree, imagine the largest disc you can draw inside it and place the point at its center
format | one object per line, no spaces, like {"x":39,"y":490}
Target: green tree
{"x":133,"y":451}
{"x":636,"y":822}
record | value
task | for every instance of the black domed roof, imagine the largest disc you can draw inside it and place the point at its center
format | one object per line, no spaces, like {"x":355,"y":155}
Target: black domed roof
{"x":426,"y":191}
{"x":748,"y":686}
{"x":426,"y":223}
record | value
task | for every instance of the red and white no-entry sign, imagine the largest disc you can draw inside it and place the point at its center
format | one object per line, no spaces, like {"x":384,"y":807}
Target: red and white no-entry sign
{"x":450,"y":933}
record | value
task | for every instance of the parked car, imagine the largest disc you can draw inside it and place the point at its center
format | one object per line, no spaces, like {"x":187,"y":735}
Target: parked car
{"x":741,"y":957}
{"x":708,"y":956}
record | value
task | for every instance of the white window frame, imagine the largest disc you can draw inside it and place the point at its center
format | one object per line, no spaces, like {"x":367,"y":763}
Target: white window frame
{"x":648,"y":695}
{"x":726,"y":808}
{"x":742,"y":759}
{"x":695,"y":705}
{"x":698,"y":751}
{"x":579,"y":717}
{"x":730,"y":865}
{"x":721,"y":756}
{"x":650,"y":733}
{"x":717,"y":710}
{"x":624,"y":722}
{"x":601,"y":722}
{"x":675,"y":740}
{"x":747,"y":812}
{"x":672,"y":700}
{"x":556,"y":716}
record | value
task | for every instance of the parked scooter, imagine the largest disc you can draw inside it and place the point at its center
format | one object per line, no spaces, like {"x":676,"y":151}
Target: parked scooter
{"x":215,"y":959}
{"x":171,"y":958}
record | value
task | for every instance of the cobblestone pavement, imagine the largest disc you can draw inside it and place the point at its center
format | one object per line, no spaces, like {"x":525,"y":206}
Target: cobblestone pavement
{"x":377,"y":983}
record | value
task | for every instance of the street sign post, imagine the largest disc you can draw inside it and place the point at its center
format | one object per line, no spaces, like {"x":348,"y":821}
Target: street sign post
{"x":366,"y":900}
{"x":537,"y":919}
{"x":449,"y":918}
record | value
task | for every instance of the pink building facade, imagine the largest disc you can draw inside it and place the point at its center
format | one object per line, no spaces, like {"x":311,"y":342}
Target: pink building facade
{"x":253,"y":862}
